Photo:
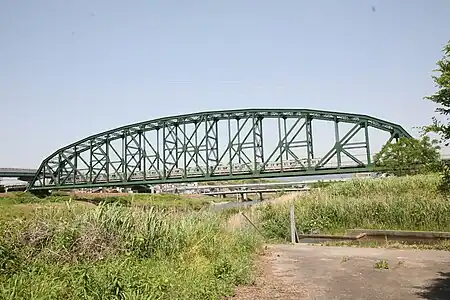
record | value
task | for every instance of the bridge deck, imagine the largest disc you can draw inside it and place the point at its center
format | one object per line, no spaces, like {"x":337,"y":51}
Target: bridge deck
{"x":17,"y":172}
{"x":256,"y":191}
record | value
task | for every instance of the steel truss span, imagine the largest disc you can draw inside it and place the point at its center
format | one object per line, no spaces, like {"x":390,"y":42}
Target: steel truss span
{"x":217,"y":145}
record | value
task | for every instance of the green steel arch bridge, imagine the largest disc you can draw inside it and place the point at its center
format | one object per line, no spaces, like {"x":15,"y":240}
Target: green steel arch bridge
{"x":217,"y":145}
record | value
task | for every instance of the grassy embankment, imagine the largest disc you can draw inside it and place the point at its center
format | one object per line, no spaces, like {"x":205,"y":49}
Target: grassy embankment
{"x":405,"y":203}
{"x":168,"y":201}
{"x":77,"y":250}
{"x":63,"y":249}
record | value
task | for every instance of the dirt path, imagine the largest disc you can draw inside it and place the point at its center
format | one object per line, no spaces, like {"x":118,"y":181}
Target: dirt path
{"x":315,"y":272}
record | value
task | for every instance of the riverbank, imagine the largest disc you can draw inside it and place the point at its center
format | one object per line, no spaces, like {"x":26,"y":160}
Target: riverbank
{"x":167,"y":247}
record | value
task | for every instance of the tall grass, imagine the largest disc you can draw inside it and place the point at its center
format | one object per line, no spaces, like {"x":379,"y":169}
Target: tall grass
{"x":117,"y":252}
{"x":404,"y":203}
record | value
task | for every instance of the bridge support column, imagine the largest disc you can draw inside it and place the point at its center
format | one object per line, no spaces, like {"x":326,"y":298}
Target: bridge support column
{"x":243,"y":197}
{"x":6,"y":190}
{"x":260,"y":196}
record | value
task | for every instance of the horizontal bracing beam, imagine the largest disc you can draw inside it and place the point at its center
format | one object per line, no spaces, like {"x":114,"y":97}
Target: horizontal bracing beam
{"x":349,"y":170}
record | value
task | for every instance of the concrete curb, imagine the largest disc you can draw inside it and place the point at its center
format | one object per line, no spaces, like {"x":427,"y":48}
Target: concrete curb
{"x":402,"y":233}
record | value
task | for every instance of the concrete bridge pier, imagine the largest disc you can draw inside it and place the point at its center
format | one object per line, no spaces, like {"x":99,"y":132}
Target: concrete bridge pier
{"x":242,"y":196}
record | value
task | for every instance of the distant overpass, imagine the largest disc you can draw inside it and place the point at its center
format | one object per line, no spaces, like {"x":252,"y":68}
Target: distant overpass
{"x":21,"y":174}
{"x":12,"y":185}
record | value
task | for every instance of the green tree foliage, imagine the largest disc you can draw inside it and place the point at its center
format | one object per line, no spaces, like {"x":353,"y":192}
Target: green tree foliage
{"x":441,"y":97}
{"x":409,"y":156}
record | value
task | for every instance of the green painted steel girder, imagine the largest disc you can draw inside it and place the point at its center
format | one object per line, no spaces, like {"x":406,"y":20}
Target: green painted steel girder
{"x":215,"y":145}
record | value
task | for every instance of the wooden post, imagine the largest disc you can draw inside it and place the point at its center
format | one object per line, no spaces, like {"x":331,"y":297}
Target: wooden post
{"x":293,"y":228}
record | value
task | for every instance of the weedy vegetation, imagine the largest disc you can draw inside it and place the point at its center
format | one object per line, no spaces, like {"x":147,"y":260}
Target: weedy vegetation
{"x":112,"y":250}
{"x":381,"y":264}
{"x":402,"y":203}
{"x":166,"y":247}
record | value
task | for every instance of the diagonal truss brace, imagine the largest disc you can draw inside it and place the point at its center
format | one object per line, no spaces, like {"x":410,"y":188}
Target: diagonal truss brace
{"x":343,"y":145}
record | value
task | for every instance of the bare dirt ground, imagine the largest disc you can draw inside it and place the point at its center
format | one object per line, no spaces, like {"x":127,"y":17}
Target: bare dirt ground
{"x":319,"y":272}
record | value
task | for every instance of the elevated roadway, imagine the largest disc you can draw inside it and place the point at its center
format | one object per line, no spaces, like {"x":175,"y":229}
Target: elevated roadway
{"x":12,"y":185}
{"x":243,"y":194}
{"x":21,"y":174}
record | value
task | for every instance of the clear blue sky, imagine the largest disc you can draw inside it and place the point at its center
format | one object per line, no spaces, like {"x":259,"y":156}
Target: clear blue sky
{"x":69,"y":69}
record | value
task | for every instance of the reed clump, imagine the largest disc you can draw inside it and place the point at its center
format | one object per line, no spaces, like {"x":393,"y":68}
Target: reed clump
{"x":402,"y":203}
{"x":119,"y":252}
